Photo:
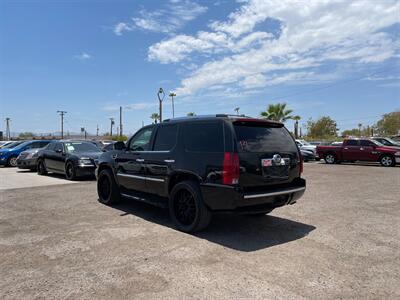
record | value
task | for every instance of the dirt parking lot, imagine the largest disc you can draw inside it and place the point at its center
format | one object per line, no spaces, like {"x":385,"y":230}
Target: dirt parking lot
{"x":341,"y":240}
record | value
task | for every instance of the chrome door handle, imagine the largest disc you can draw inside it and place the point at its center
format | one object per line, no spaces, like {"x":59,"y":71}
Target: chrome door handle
{"x":346,"y":148}
{"x":139,"y":159}
{"x":169,"y":160}
{"x":361,"y":148}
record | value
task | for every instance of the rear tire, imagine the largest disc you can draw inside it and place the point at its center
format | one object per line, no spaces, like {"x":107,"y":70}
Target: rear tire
{"x":330,"y":158}
{"x":41,"y":168}
{"x":107,"y":188}
{"x":187,"y":209}
{"x":12,"y":161}
{"x":387,"y":161}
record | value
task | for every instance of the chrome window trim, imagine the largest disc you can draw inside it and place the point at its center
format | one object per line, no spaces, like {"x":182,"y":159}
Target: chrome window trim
{"x":275,"y":193}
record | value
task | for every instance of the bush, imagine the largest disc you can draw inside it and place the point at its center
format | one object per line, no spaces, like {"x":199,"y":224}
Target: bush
{"x":118,"y":138}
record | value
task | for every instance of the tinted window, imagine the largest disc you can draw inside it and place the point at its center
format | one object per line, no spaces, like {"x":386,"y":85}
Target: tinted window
{"x":367,"y":143}
{"x":263,"y":138}
{"x":43,"y":144}
{"x":204,"y":137}
{"x":166,"y":137}
{"x":51,"y":146}
{"x":58,"y":147}
{"x":352,"y":143}
{"x":141,"y":141}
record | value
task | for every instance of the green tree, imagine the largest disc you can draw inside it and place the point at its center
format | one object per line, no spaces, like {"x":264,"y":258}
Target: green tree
{"x":323,"y":128}
{"x":190,"y":114}
{"x":118,"y":138}
{"x":155,"y":117}
{"x":277,"y":112}
{"x":24,"y":135}
{"x":389,"y":124}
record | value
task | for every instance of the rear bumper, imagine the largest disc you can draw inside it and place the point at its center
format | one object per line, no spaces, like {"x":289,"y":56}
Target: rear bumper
{"x":220,"y":197}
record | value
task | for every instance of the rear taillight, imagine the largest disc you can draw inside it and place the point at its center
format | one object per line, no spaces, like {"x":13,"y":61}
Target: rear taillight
{"x":301,"y":164}
{"x":230,"y":174}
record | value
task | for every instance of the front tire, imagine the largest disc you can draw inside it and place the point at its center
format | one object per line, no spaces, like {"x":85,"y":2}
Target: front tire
{"x":41,"y":168}
{"x":107,"y":188}
{"x":387,"y":161}
{"x":330,"y":158}
{"x":70,"y":172}
{"x":187,"y":209}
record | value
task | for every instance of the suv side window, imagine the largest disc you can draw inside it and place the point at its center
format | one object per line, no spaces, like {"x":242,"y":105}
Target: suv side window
{"x":166,"y":137}
{"x":42,"y":144}
{"x":203,"y":137}
{"x":141,"y":141}
{"x":352,"y":143}
{"x":51,"y":146}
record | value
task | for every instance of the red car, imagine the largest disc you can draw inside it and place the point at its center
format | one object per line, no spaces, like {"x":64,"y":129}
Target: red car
{"x":360,"y":150}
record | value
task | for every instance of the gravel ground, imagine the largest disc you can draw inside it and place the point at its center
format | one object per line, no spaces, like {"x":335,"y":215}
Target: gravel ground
{"x":341,"y":240}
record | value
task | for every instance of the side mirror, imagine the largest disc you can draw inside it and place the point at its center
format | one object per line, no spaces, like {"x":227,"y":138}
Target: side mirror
{"x":119,"y":146}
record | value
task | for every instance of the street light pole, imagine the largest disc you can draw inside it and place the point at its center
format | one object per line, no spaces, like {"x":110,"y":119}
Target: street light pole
{"x":111,"y":125}
{"x":160,"y":96}
{"x":172,"y":95}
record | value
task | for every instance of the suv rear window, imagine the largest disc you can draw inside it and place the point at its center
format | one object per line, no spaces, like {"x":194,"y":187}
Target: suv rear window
{"x":204,"y":137}
{"x":263,"y":138}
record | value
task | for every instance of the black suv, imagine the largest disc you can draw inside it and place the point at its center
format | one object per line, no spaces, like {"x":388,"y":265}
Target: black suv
{"x":199,"y":165}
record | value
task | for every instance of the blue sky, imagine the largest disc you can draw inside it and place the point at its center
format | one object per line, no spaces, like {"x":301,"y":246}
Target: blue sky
{"x":89,"y":57}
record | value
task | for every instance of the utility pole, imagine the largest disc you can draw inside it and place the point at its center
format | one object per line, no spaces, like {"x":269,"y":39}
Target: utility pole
{"x":160,"y":96}
{"x":8,"y":132}
{"x":111,"y":126}
{"x":62,"y":113}
{"x":97,"y":130}
{"x":120,"y":121}
{"x":172,"y":95}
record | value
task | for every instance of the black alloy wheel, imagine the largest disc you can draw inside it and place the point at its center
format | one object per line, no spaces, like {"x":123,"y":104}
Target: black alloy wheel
{"x":107,"y":188}
{"x":70,"y":172}
{"x":186,"y":207}
{"x":41,"y":168}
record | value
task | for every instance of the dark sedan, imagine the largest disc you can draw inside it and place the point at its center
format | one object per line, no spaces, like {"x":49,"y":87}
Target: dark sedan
{"x":71,"y":158}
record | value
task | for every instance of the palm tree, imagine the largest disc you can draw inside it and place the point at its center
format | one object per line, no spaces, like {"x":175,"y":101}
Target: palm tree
{"x":296,"y":126}
{"x":190,"y":114}
{"x":155,"y":117}
{"x":277,"y":112}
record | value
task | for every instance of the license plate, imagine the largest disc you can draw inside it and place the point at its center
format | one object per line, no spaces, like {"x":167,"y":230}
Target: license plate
{"x":269,"y":162}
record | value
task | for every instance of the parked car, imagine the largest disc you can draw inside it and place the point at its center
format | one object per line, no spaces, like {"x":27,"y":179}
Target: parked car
{"x":109,"y":147}
{"x":28,"y":159}
{"x":11,"y":144}
{"x":8,"y":156}
{"x":307,"y":155}
{"x":387,"y":141}
{"x":72,"y":158}
{"x":360,"y":150}
{"x":302,"y":144}
{"x":200,"y":165}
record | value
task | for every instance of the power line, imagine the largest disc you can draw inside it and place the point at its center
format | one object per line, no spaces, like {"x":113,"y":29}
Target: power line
{"x":62,"y":113}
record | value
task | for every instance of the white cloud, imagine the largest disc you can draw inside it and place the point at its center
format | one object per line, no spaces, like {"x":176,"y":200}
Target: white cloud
{"x":121,"y":27}
{"x":83,"y":56}
{"x":312,"y":34}
{"x":169,"y":19}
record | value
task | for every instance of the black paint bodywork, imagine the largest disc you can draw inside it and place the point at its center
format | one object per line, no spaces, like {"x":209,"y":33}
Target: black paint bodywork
{"x":149,"y":175}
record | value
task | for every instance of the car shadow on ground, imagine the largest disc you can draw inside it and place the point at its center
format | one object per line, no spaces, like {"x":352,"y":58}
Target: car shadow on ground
{"x":59,"y":176}
{"x":238,"y":232}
